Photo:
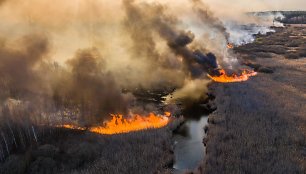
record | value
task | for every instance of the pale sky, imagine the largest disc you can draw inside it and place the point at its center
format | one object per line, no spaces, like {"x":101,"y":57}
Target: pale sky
{"x":234,"y":8}
{"x":70,"y":21}
{"x":257,"y":5}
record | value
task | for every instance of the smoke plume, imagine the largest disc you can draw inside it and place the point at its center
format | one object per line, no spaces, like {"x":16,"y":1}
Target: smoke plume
{"x":90,"y":87}
{"x":208,"y":17}
{"x":190,"y":93}
{"x":19,"y":74}
{"x":73,"y":55}
{"x":166,"y":27}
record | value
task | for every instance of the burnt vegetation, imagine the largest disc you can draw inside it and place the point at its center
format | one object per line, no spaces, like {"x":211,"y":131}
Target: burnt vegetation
{"x":288,"y":42}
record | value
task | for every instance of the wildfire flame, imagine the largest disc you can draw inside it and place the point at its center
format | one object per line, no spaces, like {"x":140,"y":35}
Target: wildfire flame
{"x":70,"y":126}
{"x":230,"y":46}
{"x":136,"y":122}
{"x":225,"y":78}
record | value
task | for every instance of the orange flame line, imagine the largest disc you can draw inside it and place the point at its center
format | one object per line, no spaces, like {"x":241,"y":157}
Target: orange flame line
{"x":136,"y":122}
{"x":225,"y":78}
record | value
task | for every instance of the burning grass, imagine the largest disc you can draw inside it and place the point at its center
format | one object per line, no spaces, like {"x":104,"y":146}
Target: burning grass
{"x":61,"y":150}
{"x":226,"y":78}
{"x":250,"y":133}
{"x":259,"y":126}
{"x":118,"y":124}
{"x":137,"y":122}
{"x":26,"y":147}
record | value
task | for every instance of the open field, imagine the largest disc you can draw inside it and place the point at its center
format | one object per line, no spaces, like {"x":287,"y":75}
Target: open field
{"x":260,"y":125}
{"x":288,"y":42}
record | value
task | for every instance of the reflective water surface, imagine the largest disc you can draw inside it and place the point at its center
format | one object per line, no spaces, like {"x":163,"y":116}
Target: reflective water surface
{"x":189,"y":150}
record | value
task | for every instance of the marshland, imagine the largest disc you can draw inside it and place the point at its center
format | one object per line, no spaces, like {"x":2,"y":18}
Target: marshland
{"x":140,"y":86}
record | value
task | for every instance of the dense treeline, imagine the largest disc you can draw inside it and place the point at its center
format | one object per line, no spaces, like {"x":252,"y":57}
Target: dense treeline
{"x":294,"y":17}
{"x":291,"y":17}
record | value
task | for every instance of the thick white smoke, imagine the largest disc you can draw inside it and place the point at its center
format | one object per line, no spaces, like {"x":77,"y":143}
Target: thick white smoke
{"x":244,"y":34}
{"x":144,"y":43}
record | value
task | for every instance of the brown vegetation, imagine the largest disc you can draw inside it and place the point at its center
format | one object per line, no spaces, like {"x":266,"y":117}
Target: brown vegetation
{"x":259,"y":126}
{"x":70,"y":151}
{"x":288,"y":41}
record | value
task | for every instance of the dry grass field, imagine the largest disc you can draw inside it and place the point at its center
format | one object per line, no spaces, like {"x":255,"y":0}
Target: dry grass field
{"x":77,"y":152}
{"x":260,"y":125}
{"x":288,"y":42}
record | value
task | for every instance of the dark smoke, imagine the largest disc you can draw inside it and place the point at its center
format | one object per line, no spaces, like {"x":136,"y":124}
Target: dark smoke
{"x":148,"y":20}
{"x":27,"y":76}
{"x":161,"y":67}
{"x":35,"y":92}
{"x":140,"y":31}
{"x":208,"y":18}
{"x":18,"y":76}
{"x":91,"y":88}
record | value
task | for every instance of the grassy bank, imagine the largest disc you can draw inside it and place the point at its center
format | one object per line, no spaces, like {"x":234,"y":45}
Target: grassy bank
{"x":260,"y":125}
